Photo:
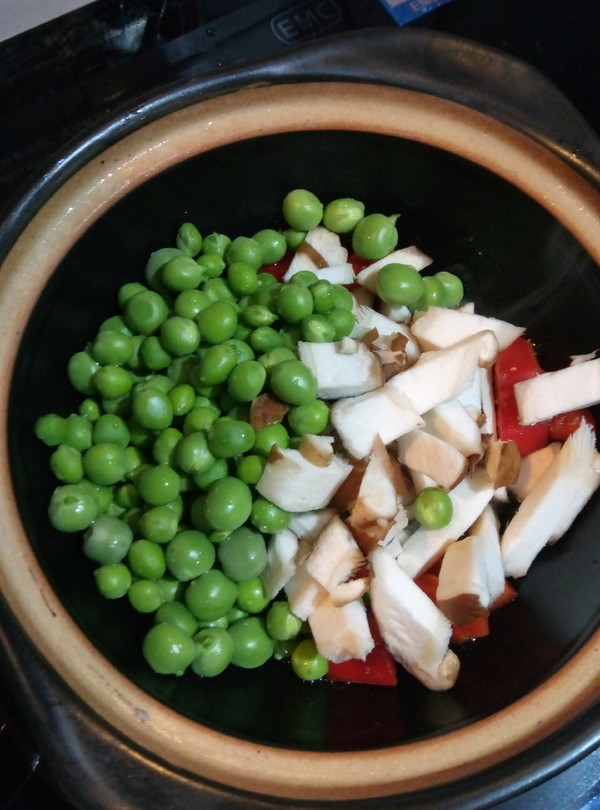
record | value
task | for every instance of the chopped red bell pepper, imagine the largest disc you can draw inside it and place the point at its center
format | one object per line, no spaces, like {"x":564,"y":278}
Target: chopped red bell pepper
{"x":278,"y":269}
{"x":378,"y":669}
{"x":564,"y":424}
{"x":516,"y":363}
{"x":478,"y":628}
{"x":358,"y":263}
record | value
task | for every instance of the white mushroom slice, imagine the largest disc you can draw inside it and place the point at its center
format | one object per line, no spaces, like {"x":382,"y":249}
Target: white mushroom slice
{"x":336,"y":274}
{"x":488,"y":406}
{"x":408,"y":255}
{"x":335,"y":555}
{"x":362,"y":297}
{"x":304,"y":593}
{"x":425,"y":546}
{"x":533,"y":467}
{"x":554,"y":392}
{"x":397,"y":534}
{"x":413,"y":628}
{"x":439,"y":327}
{"x":553,"y":503}
{"x":502,"y":463}
{"x":420,"y":482}
{"x":281,"y":562}
{"x":425,"y":453}
{"x":383,"y":412}
{"x":368,"y":319}
{"x":340,"y":373}
{"x":320,"y":248}
{"x":349,"y":591}
{"x":293,"y":483}
{"x":396,"y":312}
{"x":452,"y":422}
{"x":443,"y":374}
{"x":308,"y":525}
{"x":487,"y":529}
{"x":341,"y":633}
{"x":380,"y":487}
{"x":462,"y":593}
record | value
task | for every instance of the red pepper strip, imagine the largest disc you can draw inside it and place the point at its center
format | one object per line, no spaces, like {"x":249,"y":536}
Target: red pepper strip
{"x":478,"y":628}
{"x":278,"y":269}
{"x":358,"y":263}
{"x":378,"y":668}
{"x":509,"y":594}
{"x":516,"y":363}
{"x":564,"y":424}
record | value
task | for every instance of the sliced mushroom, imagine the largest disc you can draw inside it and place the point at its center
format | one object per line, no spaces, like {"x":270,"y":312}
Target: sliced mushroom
{"x":425,"y":453}
{"x":341,"y":633}
{"x":281,"y":562}
{"x":303,"y":592}
{"x":340,"y":373}
{"x":440,"y":327}
{"x":443,"y":374}
{"x":426,"y":546}
{"x":349,"y":591}
{"x":462,"y":593}
{"x":266,"y":409}
{"x":308,"y":525}
{"x":452,"y":422}
{"x":335,"y":555}
{"x":293,"y":483}
{"x":320,"y":248}
{"x":502,"y":462}
{"x":413,"y":628}
{"x":383,"y":412}
{"x":487,"y":529}
{"x":532,"y":468}
{"x":568,"y":389}
{"x":553,"y":503}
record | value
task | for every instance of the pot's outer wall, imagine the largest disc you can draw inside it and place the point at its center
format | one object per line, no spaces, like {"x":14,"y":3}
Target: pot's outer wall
{"x":529,"y":234}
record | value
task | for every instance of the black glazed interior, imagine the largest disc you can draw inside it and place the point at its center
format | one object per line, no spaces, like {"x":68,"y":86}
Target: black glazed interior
{"x":520,"y":265}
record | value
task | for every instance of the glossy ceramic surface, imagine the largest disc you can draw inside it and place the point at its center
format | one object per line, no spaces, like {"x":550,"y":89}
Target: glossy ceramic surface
{"x":470,"y":190}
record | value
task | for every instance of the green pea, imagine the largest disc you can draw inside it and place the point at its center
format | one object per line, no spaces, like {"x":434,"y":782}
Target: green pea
{"x":252,"y":596}
{"x":167,"y":649}
{"x":294,"y":238}
{"x":343,"y":215}
{"x":230,"y":437}
{"x":375,"y":236}
{"x":73,"y":508}
{"x":145,"y":311}
{"x":268,"y":518}
{"x":211,"y":595}
{"x":242,"y":278}
{"x":159,"y":523}
{"x":307,"y":661}
{"x":146,"y":559}
{"x":293,"y":382}
{"x":304,"y":278}
{"x":110,"y":428}
{"x":399,"y":284}
{"x":245,"y":249}
{"x":78,"y":432}
{"x":127,"y":496}
{"x":311,"y":417}
{"x":90,"y":409}
{"x":243,"y":554}
{"x":159,"y":484}
{"x":182,"y":397}
{"x":190,"y":554}
{"x":323,"y":294}
{"x":190,"y":302}
{"x":252,"y":645}
{"x":343,"y":322}
{"x":180,"y":336}
{"x":211,"y":264}
{"x":216,"y":243}
{"x":126,"y":291}
{"x":255,"y":315}
{"x":107,"y":540}
{"x":433,"y":508}
{"x":281,"y":623}
{"x":453,"y":286}
{"x":214,"y":651}
{"x":302,"y":210}
{"x":269,"y":435}
{"x":217,"y":322}
{"x":153,"y":354}
{"x":104,"y":463}
{"x":273,"y":245}
{"x":117,"y":323}
{"x":249,"y":468}
{"x":177,"y":614}
{"x":66,"y":464}
{"x":277,"y":355}
{"x":112,"y":348}
{"x":264,"y":338}
{"x":342,"y":297}
{"x":227,"y":504}
{"x":246,"y":380}
{"x":113,"y":580}
{"x":200,"y":418}
{"x":294,"y":302}
{"x":317,"y":329}
{"x":51,"y":429}
{"x":434,"y":294}
{"x":152,"y":408}
{"x":154,"y":265}
{"x":217,"y":363}
{"x":189,"y":239}
{"x":81,"y":369}
{"x":194,"y":454}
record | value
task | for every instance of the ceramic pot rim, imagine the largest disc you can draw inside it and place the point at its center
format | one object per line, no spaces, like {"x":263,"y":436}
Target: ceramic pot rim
{"x":248,"y":113}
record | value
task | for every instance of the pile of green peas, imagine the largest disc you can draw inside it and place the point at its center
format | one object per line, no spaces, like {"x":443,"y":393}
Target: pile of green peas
{"x":157,"y":468}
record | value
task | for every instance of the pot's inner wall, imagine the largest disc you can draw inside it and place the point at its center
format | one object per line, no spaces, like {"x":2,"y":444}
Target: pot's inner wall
{"x":520,"y":265}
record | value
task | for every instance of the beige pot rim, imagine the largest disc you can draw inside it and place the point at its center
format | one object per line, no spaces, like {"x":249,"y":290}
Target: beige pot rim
{"x":181,"y":743}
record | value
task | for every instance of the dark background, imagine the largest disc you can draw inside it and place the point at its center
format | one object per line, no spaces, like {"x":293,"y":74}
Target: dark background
{"x":64,"y":76}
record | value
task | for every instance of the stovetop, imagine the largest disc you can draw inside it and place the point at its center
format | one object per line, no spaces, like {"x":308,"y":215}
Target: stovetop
{"x":67,"y":73}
